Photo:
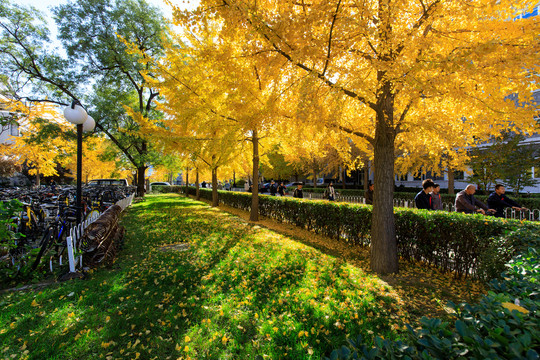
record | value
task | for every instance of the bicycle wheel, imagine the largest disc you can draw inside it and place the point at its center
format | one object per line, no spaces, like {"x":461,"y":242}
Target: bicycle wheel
{"x":45,"y":243}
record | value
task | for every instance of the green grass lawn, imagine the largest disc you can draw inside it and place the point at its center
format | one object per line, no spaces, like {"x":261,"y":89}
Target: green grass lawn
{"x":239,"y":292}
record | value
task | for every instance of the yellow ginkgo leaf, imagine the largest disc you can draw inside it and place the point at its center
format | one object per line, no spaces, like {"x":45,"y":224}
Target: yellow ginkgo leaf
{"x":512,"y":306}
{"x":34,"y":303}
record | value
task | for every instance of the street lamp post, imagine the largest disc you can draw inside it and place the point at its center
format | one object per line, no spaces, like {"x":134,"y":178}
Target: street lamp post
{"x":76,"y":114}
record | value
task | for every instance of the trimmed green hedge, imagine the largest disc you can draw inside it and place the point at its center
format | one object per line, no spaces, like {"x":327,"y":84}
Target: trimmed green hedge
{"x":532,"y":202}
{"x":469,"y":245}
{"x":505,"y":324}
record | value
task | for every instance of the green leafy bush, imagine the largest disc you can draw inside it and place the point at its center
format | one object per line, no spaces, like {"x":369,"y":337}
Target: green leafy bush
{"x":167,"y":189}
{"x":505,"y":324}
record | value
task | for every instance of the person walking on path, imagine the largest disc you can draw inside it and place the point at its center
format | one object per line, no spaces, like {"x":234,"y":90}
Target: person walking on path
{"x":330,"y":192}
{"x":468,"y":204}
{"x":436,"y":201}
{"x":227,"y":185}
{"x":281,"y":189}
{"x":423,"y":198}
{"x":369,"y":194}
{"x":298,"y":193}
{"x":499,"y":201}
{"x":273,"y":188}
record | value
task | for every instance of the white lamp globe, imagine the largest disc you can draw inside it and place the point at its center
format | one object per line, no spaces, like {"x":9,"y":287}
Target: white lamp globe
{"x":76,"y":115}
{"x":89,"y":124}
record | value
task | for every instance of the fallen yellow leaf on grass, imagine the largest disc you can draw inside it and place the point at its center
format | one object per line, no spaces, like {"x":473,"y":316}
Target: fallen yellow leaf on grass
{"x":224,"y":340}
{"x":511,"y":306}
{"x":34,"y":303}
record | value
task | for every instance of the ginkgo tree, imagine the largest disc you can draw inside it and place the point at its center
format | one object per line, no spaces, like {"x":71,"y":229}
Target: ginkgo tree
{"x":213,"y":85}
{"x":408,"y":70}
{"x":41,"y":156}
{"x":97,"y":163}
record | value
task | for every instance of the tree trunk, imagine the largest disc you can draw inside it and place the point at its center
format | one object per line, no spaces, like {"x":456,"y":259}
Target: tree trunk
{"x":215,"y":200}
{"x":254,"y":215}
{"x":344,"y":178}
{"x":38,"y":180}
{"x":197,"y":192}
{"x":314,"y":178}
{"x":187,"y":182}
{"x":384,"y":255}
{"x":366,"y":176}
{"x":451,"y":181}
{"x":140,"y":180}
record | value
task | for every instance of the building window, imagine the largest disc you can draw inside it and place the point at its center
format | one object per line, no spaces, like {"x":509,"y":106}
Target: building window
{"x":14,"y":129}
{"x":459,"y":175}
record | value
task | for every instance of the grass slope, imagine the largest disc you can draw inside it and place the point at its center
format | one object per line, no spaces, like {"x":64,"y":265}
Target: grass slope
{"x":239,"y":292}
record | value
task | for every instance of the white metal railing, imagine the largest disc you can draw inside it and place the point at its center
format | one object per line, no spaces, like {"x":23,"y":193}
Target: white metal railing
{"x":509,"y":213}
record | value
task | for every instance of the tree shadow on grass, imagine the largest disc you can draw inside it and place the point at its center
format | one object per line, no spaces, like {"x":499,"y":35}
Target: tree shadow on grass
{"x":424,"y":289}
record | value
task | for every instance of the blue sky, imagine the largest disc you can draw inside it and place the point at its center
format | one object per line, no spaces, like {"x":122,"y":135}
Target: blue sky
{"x":45,"y":5}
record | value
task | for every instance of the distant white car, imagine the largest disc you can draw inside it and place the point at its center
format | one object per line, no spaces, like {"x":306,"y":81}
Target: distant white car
{"x":160,"y":183}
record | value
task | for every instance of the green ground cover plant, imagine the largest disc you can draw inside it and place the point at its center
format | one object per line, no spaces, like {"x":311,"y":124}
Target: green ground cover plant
{"x":239,"y":292}
{"x":504,"y":324}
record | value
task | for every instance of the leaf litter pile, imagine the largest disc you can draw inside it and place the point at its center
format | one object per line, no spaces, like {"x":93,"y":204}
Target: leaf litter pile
{"x":240,"y":290}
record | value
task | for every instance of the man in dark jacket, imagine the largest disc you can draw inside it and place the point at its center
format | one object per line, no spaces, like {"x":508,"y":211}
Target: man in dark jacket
{"x":498,"y":201}
{"x":298,"y":191}
{"x":467,"y":203}
{"x":369,"y":194}
{"x":273,"y":188}
{"x":423,"y":198}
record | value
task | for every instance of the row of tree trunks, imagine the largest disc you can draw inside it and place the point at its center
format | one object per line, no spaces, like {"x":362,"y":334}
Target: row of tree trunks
{"x":197,"y":192}
{"x":254,"y":215}
{"x":187,"y":181}
{"x":215,"y":198}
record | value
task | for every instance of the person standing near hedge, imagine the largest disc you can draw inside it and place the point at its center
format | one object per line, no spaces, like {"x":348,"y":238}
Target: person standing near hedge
{"x":273,"y":188}
{"x":369,"y":194}
{"x":281,"y":189}
{"x":330,"y":192}
{"x":298,"y":193}
{"x":436,"y":201}
{"x":468,"y":204}
{"x":499,"y":201}
{"x":423,"y":199}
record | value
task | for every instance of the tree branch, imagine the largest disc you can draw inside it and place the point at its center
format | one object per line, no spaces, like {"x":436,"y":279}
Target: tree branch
{"x":330,"y":38}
